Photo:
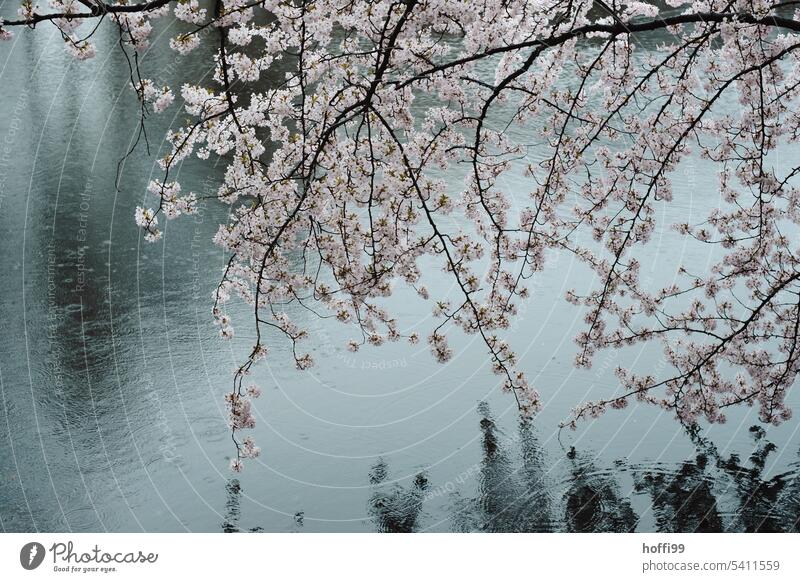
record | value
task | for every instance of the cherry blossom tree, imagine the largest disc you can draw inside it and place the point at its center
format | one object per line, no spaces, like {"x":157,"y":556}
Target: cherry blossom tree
{"x":335,"y":179}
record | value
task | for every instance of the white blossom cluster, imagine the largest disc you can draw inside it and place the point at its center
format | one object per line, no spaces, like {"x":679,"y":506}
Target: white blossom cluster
{"x":337,"y":120}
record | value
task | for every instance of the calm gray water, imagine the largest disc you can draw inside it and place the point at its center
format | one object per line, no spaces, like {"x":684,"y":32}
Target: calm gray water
{"x":112,"y":374}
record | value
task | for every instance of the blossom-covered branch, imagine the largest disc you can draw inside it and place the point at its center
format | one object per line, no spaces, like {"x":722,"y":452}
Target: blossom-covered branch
{"x":334,"y":174}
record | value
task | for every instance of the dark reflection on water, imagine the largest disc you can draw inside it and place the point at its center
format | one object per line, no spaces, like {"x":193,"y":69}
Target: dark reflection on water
{"x":686,"y":499}
{"x":594,"y":502}
{"x":683,"y":500}
{"x":233,"y":510}
{"x":513,"y":492}
{"x":520,"y":495}
{"x":396,"y":509}
{"x":517,"y":492}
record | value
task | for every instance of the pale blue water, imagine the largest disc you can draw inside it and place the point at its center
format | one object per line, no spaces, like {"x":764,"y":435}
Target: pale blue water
{"x":112,"y":375}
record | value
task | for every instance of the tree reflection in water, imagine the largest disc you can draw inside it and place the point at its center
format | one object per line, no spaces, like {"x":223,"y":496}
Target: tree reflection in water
{"x":594,"y":502}
{"x":714,"y":493}
{"x":682,"y":500}
{"x":233,"y":509}
{"x":518,"y":491}
{"x":521,"y":495}
{"x":513,"y":493}
{"x":396,"y":510}
{"x":771,"y":505}
{"x":695,"y":497}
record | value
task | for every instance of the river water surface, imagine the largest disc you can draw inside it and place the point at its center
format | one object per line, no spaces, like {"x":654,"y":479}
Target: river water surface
{"x":112,"y":374}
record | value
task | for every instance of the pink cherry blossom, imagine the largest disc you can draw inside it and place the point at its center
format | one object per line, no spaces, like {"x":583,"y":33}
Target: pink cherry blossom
{"x":337,"y":122}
